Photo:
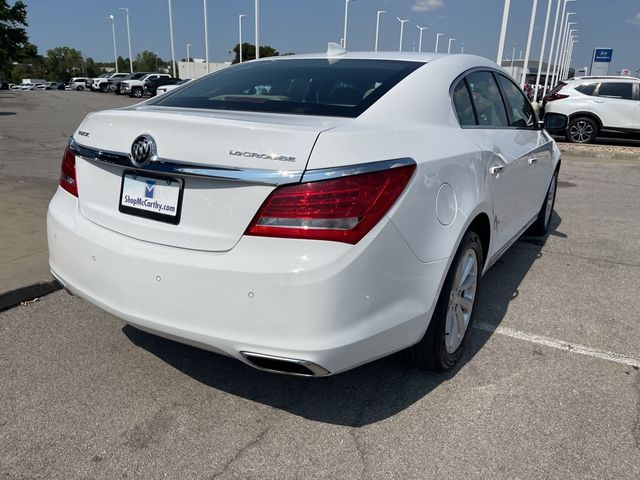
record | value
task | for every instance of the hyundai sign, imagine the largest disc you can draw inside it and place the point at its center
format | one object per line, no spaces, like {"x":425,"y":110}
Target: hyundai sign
{"x":600,"y":61}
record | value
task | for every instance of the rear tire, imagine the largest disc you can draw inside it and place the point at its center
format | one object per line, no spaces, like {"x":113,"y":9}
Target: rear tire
{"x":541,"y":226}
{"x":447,"y":335}
{"x":582,"y":130}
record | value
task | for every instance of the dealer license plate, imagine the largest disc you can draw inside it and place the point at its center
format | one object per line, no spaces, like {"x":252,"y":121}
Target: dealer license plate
{"x":156,"y":198}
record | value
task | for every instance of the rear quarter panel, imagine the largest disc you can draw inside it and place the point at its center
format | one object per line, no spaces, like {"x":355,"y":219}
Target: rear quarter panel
{"x":415,"y":119}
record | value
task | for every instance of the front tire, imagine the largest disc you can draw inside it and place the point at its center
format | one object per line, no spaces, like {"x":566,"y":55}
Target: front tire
{"x":444,"y":342}
{"x":582,"y":130}
{"x":541,"y":226}
{"x":137,"y":92}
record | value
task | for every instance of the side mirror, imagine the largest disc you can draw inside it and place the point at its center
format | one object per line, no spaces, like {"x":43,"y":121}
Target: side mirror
{"x":555,"y":121}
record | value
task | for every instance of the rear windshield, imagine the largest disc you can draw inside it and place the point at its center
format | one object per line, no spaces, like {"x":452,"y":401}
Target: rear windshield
{"x":342,"y":87}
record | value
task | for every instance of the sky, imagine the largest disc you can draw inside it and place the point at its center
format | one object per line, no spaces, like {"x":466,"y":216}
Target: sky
{"x":304,"y":26}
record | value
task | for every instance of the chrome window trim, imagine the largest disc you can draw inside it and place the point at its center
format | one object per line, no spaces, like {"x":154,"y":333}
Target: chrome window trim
{"x":348,"y":170}
{"x":169,"y":167}
{"x":244,"y":175}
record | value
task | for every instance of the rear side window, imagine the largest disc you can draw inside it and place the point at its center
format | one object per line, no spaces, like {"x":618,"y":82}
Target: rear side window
{"x":462,"y":104}
{"x":520,"y":112}
{"x":587,"y":88}
{"x":332,"y":87}
{"x":620,"y":90}
{"x":487,"y":100}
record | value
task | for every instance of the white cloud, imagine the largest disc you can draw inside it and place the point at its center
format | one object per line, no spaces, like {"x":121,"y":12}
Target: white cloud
{"x":426,"y":5}
{"x":635,"y":20}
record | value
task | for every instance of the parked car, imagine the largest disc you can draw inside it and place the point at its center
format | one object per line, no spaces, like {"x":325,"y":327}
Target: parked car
{"x":4,"y":85}
{"x":27,"y":86}
{"x":306,"y":214}
{"x":596,"y":106}
{"x":114,"y":83}
{"x":77,"y":83}
{"x":150,"y":86}
{"x":135,"y":88}
{"x":166,"y":88}
{"x":54,"y":86}
{"x":101,"y":84}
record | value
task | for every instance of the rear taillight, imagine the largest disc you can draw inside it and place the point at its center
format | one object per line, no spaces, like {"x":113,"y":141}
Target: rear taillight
{"x":344,"y":209}
{"x":68,"y":179}
{"x":555,"y":96}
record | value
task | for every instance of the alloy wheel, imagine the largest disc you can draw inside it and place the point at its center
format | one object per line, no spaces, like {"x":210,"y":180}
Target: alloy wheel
{"x":461,"y":300}
{"x":581,"y":131}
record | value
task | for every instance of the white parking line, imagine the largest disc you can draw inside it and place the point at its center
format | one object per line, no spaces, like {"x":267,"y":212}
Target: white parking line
{"x":559,"y":344}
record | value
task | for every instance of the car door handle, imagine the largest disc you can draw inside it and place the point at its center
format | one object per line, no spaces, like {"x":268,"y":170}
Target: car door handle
{"x":533,"y":161}
{"x":496,"y":170}
{"x":598,"y":101}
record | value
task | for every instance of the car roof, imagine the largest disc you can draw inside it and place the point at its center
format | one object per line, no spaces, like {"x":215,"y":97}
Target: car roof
{"x":610,"y":79}
{"x":405,"y":56}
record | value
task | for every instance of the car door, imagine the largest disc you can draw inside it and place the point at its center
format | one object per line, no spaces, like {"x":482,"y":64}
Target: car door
{"x":614,"y":104}
{"x":514,"y":147}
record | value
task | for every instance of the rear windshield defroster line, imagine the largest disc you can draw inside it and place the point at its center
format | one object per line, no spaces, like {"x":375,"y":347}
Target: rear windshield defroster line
{"x":325,"y":87}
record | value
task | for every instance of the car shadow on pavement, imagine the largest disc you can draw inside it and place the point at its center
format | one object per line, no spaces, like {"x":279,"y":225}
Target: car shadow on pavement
{"x":367,"y":394}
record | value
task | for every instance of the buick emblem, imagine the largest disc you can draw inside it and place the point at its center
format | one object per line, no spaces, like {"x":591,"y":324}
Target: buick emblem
{"x":143,"y":150}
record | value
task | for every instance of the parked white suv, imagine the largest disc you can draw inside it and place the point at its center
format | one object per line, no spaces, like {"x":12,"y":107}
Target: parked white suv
{"x":596,"y":106}
{"x":77,"y":83}
{"x":135,"y":88}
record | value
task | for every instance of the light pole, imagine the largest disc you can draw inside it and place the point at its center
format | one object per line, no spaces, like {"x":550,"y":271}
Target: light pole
{"x":438,"y":35}
{"x":206,"y":38}
{"x":525,"y":66}
{"x":563,"y":50}
{"x":420,"y":40}
{"x":240,"y":17}
{"x":380,"y":12}
{"x":563,"y":19}
{"x":570,"y":56}
{"x":126,"y":11}
{"x":257,"y":29}
{"x":173,"y":52}
{"x":451,"y":40}
{"x":544,"y":44}
{"x":189,"y":60}
{"x":553,"y":44}
{"x":503,"y":31}
{"x":566,"y":58}
{"x":402,"y":22}
{"x":346,"y":22}
{"x":113,"y":32}
{"x":462,"y":48}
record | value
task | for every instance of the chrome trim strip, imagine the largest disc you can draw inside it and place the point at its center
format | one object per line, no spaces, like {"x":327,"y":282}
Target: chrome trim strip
{"x":317,"y":370}
{"x":246,"y":175}
{"x":337,"y":172}
{"x":168,"y":167}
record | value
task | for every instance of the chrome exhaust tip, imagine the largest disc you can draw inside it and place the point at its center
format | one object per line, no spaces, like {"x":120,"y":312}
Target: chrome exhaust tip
{"x":287,"y":366}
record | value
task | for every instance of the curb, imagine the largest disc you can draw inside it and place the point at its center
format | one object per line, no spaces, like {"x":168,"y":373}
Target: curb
{"x":600,"y":152}
{"x":24,"y":294}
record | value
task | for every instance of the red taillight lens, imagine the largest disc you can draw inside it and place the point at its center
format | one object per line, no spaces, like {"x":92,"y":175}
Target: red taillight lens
{"x":343,"y":209}
{"x":68,"y":172}
{"x":555,"y":96}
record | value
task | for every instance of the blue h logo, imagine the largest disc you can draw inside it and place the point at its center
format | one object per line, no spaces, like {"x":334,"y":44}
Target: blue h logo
{"x":149,"y":188}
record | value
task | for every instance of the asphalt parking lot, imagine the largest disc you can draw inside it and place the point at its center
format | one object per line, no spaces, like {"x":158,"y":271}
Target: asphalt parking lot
{"x":549,"y":389}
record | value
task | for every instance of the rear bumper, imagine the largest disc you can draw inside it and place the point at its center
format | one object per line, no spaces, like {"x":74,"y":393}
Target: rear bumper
{"x":328,"y":303}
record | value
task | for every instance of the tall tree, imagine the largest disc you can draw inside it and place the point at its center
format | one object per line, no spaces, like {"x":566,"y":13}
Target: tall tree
{"x":64,"y":63}
{"x":147,"y":61}
{"x":13,"y":36}
{"x":249,"y":52}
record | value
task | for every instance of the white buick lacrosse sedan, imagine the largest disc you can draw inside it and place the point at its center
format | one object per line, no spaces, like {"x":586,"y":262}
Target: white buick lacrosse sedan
{"x":306,"y":214}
